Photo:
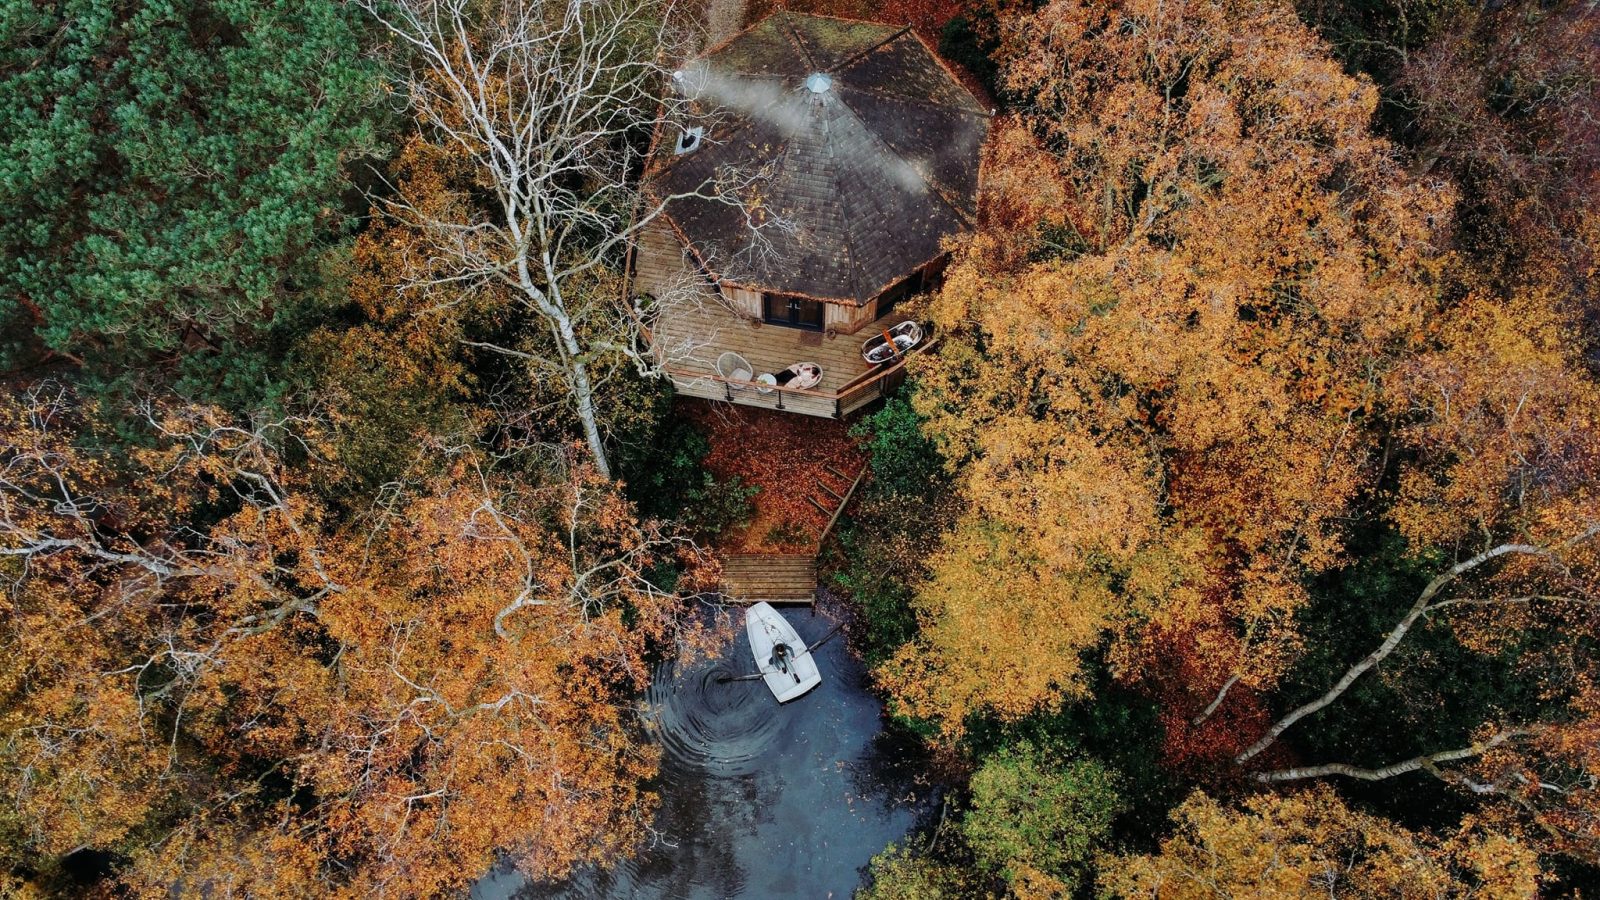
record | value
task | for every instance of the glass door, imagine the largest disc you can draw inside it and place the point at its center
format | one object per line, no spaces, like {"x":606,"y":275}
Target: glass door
{"x":792,"y":311}
{"x":807,"y":314}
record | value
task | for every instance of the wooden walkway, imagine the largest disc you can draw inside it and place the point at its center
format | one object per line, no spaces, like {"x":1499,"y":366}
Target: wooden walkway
{"x":770,"y":578}
{"x":781,"y":577}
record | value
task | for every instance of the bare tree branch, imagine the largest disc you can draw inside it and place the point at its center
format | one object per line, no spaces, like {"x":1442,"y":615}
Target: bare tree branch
{"x":1424,"y":602}
{"x":1222,"y":694}
{"x":548,"y":100}
{"x":1428,"y":763}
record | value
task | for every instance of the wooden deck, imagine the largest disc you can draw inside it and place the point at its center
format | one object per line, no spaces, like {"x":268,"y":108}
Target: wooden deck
{"x":769,"y":578}
{"x":692,"y":336}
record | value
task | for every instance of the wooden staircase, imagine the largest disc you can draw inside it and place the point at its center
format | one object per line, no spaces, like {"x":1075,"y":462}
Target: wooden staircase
{"x":770,"y":577}
{"x":783,"y":577}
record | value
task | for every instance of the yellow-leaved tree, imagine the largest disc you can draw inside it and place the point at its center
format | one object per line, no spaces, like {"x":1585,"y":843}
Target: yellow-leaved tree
{"x":1311,"y":844}
{"x":1161,"y":364}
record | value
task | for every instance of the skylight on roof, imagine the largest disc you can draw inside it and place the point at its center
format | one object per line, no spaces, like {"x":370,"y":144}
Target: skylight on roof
{"x":819,"y":82}
{"x":688,"y":140}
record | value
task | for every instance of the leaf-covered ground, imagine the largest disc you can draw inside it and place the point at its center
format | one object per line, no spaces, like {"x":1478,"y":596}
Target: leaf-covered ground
{"x":789,"y":457}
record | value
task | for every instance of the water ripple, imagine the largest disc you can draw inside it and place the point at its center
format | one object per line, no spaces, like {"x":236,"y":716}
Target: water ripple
{"x":709,"y":724}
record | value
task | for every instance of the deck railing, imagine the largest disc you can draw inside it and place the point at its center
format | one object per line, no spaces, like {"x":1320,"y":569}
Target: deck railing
{"x":846,"y":399}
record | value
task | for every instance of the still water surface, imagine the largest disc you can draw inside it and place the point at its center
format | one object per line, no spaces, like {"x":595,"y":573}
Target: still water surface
{"x":760,"y":800}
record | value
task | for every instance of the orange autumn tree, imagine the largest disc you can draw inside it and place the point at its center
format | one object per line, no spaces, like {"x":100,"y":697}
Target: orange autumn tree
{"x":1310,"y":844}
{"x":1499,"y":424}
{"x":1160,"y":389}
{"x":209,"y":675}
{"x":404,"y":366}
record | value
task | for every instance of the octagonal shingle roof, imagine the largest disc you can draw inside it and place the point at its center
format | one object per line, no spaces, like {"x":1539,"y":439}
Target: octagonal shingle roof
{"x":867,"y":169}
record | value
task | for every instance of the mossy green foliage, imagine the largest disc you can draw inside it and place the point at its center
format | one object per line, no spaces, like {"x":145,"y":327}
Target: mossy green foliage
{"x":895,"y":526}
{"x":900,"y":873}
{"x":1038,"y":809}
{"x":168,"y":169}
{"x":906,"y":464}
{"x":1120,"y":727}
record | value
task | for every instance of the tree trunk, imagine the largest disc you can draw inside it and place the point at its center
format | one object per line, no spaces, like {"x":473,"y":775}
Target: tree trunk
{"x":583,"y":393}
{"x":1389,"y":643}
{"x":1389,"y":771}
{"x":591,"y":423}
{"x":554,"y":311}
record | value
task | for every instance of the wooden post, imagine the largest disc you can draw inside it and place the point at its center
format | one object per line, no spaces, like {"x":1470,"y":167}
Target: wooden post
{"x":839,"y":510}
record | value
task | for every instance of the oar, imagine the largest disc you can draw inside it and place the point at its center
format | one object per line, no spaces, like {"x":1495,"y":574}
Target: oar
{"x":724,"y":679}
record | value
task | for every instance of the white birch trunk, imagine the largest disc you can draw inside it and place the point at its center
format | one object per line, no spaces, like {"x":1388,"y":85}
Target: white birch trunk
{"x":548,"y":100}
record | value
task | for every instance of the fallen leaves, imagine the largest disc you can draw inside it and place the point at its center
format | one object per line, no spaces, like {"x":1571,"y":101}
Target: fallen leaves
{"x":792,"y":459}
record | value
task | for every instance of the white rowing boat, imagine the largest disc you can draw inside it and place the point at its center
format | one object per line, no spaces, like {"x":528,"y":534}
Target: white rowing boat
{"x":781,"y":656}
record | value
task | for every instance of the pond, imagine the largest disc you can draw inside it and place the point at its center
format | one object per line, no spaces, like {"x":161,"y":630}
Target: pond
{"x":761,"y":800}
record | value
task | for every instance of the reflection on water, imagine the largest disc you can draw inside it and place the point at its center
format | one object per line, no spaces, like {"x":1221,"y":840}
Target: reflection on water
{"x":759,"y":800}
{"x":708,"y":724}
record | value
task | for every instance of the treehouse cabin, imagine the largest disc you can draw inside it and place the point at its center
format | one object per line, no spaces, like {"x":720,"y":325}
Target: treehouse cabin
{"x":823,"y":166}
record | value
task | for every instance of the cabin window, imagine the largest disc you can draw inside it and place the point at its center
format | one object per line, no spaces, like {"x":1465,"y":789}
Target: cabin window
{"x":792,"y":310}
{"x":921,"y":281}
{"x":905,"y":288}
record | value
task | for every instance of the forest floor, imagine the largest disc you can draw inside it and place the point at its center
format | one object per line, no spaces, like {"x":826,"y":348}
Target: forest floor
{"x":724,"y":19}
{"x":789,"y":458}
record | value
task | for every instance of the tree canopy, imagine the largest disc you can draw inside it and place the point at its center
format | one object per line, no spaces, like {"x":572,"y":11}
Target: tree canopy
{"x":210,"y":673}
{"x":1169,"y":365}
{"x":1236,"y":532}
{"x":168,"y":174}
{"x":1312,"y":844}
{"x":1214,"y":333}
